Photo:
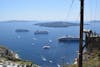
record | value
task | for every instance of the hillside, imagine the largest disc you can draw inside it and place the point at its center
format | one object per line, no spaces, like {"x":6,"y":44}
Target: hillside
{"x":8,"y":57}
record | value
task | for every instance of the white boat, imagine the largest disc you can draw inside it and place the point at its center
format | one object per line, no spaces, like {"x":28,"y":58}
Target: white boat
{"x":50,"y":61}
{"x":76,"y":61}
{"x":44,"y":59}
{"x":58,"y":65}
{"x":46,"y":47}
{"x":50,"y":40}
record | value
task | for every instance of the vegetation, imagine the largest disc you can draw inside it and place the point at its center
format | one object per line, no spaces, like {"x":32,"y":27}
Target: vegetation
{"x":92,"y":61}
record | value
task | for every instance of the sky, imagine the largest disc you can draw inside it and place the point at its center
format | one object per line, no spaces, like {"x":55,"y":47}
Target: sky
{"x":49,"y":10}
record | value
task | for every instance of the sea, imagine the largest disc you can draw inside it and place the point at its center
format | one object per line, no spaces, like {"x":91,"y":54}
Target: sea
{"x":30,"y":46}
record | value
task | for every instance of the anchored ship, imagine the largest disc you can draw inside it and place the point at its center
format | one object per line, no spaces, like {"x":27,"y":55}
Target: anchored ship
{"x":68,"y":39}
{"x":22,"y":30}
{"x":40,"y":32}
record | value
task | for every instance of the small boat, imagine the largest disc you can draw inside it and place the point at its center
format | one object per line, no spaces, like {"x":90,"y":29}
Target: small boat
{"x":76,"y":61}
{"x":50,"y":41}
{"x":50,"y":61}
{"x":22,"y":30}
{"x":46,"y":47}
{"x":87,"y":30}
{"x":44,"y":59}
{"x":58,"y":65}
{"x":68,"y":39}
{"x":40,"y":32}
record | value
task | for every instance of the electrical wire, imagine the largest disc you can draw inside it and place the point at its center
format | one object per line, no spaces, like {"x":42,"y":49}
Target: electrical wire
{"x":70,"y":8}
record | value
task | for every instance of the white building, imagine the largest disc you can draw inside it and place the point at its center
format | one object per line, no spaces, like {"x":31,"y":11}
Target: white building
{"x":11,"y":64}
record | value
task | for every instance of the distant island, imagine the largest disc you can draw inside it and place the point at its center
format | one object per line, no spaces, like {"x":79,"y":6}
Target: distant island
{"x":95,"y":21}
{"x":57,"y":24}
{"x":19,"y":21}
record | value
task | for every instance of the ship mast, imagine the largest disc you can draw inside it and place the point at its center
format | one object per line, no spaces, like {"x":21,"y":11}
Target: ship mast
{"x":81,"y":33}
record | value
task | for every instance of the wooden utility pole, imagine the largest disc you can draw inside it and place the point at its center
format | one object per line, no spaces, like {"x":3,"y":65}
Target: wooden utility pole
{"x":81,"y":33}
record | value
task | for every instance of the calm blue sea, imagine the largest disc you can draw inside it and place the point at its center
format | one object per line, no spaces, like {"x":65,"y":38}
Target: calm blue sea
{"x":29,"y":46}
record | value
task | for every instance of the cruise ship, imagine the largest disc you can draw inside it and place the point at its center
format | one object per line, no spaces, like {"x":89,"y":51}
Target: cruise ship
{"x":40,"y":32}
{"x":22,"y":30}
{"x":69,"y":39}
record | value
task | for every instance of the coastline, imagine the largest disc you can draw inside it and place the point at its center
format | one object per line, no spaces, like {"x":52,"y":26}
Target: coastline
{"x":8,"y":58}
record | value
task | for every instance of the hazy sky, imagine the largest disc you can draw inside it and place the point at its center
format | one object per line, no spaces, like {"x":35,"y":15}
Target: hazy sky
{"x":47,"y":10}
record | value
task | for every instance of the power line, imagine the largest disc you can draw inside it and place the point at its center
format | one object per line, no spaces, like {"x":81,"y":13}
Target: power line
{"x":70,"y":8}
{"x":95,"y":9}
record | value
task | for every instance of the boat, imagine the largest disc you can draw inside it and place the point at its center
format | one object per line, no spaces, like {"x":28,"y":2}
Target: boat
{"x":58,"y":65}
{"x":22,"y":30}
{"x":68,"y":39}
{"x":44,"y":59}
{"x":87,"y":30}
{"x":40,"y":32}
{"x":46,"y":47}
{"x":50,"y":61}
{"x":75,"y":61}
{"x":50,"y":41}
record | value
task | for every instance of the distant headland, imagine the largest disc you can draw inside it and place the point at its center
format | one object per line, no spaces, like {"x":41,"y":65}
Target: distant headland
{"x":19,"y":21}
{"x":95,"y":21}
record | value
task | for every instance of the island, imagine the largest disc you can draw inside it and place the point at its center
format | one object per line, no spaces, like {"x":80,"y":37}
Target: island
{"x":57,"y":24}
{"x":12,"y":21}
{"x":94,"y":21}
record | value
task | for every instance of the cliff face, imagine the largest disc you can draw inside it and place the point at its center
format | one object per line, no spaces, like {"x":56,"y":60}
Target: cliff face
{"x":8,"y":54}
{"x":4,"y":52}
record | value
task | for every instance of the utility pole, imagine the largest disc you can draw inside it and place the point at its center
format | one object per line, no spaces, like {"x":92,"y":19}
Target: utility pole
{"x":81,"y":33}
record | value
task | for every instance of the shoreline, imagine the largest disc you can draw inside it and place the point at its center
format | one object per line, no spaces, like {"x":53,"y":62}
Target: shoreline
{"x":9,"y":57}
